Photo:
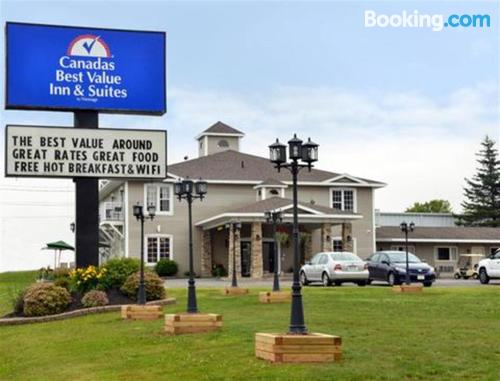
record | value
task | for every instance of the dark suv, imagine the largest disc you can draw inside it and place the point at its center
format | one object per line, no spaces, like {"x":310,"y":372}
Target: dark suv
{"x":390,"y":266}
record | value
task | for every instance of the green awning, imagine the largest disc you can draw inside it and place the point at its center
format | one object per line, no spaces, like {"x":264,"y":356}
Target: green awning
{"x":59,"y":245}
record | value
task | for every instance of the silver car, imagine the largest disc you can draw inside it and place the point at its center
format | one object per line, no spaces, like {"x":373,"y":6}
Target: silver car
{"x":336,"y":268}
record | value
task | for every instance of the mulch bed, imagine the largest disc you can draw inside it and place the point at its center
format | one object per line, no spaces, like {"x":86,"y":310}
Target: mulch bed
{"x":115,"y":297}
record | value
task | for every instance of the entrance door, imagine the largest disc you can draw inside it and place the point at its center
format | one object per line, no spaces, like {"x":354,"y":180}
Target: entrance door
{"x":246,"y":256}
{"x":268,"y":252}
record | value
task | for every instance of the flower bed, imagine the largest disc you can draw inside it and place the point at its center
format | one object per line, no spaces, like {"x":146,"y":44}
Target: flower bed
{"x":94,"y":289}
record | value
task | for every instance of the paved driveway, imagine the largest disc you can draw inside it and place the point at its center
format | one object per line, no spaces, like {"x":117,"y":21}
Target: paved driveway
{"x":258,"y":283}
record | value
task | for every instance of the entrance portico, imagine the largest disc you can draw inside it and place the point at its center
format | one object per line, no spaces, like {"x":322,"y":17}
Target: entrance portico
{"x":254,"y":244}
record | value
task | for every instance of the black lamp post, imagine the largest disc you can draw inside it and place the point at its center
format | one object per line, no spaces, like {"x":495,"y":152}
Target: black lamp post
{"x":275,"y":217}
{"x":139,"y":215}
{"x":189,"y":190}
{"x":234,"y":227}
{"x":307,"y":153}
{"x":406,"y":228}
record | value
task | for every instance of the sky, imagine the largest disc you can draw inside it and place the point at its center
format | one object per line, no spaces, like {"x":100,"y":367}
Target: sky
{"x":406,"y":106}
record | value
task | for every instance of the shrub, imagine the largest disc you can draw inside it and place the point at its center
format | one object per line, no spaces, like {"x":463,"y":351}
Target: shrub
{"x":95,"y":298}
{"x":118,"y":270}
{"x":45,"y":274}
{"x":153,"y":285}
{"x":63,"y":282}
{"x":166,"y":267}
{"x":45,"y":299}
{"x":86,"y":279}
{"x":218,"y":270}
{"x":18,"y":301}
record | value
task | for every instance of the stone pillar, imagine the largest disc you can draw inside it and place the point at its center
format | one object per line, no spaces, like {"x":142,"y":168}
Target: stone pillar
{"x":347,"y":244}
{"x":326,"y":237}
{"x":206,"y":253}
{"x":257,"y":266}
{"x":308,"y":248}
{"x":234,"y":237}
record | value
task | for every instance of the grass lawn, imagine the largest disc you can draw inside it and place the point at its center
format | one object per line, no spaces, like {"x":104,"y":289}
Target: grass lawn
{"x":443,"y":334}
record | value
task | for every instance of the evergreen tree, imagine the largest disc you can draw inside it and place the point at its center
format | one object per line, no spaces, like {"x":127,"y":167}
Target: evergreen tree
{"x":482,"y":192}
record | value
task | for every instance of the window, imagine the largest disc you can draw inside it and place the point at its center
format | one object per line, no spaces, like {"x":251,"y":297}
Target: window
{"x":337,"y":244}
{"x":493,"y":250}
{"x":160,"y":195}
{"x":223,"y":143}
{"x":344,"y":199}
{"x":323,"y":260}
{"x":274,"y":192}
{"x":445,"y":253}
{"x":158,"y":247}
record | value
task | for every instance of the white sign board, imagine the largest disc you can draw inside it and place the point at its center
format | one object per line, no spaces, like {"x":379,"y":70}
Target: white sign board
{"x":35,"y":151}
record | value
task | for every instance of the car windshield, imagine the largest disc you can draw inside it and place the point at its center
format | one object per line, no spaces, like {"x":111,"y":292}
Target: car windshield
{"x":401,"y":257}
{"x":344,"y":257}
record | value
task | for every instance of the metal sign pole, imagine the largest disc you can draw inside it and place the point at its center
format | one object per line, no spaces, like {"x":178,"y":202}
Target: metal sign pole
{"x":87,"y":204}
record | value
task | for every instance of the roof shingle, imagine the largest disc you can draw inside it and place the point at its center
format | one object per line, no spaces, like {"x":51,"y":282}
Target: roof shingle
{"x":236,"y":166}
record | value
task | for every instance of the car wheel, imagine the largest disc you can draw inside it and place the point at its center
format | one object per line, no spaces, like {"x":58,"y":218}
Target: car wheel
{"x":362,"y":283}
{"x":369,"y":281}
{"x":337,"y":283}
{"x":326,"y":280}
{"x":483,"y":276}
{"x":427,"y":284}
{"x":391,"y":279}
{"x":456,"y":276}
{"x":303,"y":279}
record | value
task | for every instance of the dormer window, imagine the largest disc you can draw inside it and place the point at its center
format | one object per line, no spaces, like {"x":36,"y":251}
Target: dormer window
{"x":274,"y":192}
{"x":223,"y":143}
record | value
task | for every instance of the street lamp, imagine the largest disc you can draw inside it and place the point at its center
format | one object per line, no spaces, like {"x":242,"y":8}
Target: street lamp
{"x":307,"y":153}
{"x":275,"y":217}
{"x":189,"y":190}
{"x":234,"y":227}
{"x":406,"y":228}
{"x":139,"y":215}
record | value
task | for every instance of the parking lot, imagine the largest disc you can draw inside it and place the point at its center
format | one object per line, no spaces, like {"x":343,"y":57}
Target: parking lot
{"x":287,"y":282}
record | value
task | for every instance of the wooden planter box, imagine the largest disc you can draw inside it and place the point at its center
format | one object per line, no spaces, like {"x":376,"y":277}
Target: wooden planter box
{"x":275,"y":296}
{"x":287,"y":348}
{"x":235,"y":291}
{"x":139,"y":312}
{"x":177,"y":324}
{"x":408,"y":288}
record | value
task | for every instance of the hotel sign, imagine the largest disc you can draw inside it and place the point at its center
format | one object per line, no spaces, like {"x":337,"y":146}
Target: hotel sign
{"x":71,"y":68}
{"x":36,"y":151}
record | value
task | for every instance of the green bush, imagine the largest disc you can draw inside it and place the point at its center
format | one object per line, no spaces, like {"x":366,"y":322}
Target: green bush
{"x":218,"y":270}
{"x":166,"y":267}
{"x":45,"y":299}
{"x":153,"y":285}
{"x":18,"y":301}
{"x":64,"y":282}
{"x":118,"y":270}
{"x":95,"y":298}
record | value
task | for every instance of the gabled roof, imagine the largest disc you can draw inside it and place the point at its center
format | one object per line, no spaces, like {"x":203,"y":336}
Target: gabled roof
{"x":220,"y":128}
{"x":233,"y":166}
{"x":308,"y":213}
{"x":440,"y":234}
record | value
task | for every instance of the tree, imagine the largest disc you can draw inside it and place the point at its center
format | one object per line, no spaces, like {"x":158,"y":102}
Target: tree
{"x":432,"y":206}
{"x":482,"y":192}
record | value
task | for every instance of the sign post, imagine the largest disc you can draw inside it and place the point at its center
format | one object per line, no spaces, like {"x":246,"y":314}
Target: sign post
{"x":86,"y":199}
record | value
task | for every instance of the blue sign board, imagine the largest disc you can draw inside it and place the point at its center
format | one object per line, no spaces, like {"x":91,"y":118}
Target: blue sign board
{"x":76,"y":68}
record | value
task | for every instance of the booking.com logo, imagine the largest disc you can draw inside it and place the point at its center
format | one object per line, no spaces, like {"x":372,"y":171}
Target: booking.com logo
{"x":436,"y":22}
